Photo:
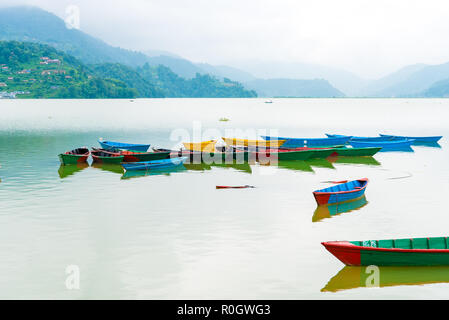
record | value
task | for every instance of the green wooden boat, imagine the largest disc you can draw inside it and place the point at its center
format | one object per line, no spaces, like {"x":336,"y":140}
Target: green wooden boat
{"x":362,"y":277}
{"x":74,"y":156}
{"x":357,"y":152}
{"x":322,"y":153}
{"x":106,"y":157}
{"x":394,"y":252}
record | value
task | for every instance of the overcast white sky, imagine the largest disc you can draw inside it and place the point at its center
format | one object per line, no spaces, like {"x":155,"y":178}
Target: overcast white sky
{"x":369,"y":38}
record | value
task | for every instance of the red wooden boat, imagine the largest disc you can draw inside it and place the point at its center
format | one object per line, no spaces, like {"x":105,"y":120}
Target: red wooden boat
{"x":393,"y":252}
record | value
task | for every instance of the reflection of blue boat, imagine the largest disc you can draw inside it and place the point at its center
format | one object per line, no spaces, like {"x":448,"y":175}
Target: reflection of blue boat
{"x":310,"y":142}
{"x":153,"y":172}
{"x":357,"y":138}
{"x":396,"y":145}
{"x":328,"y":211}
{"x":108,"y":145}
{"x":416,"y":139}
{"x":155,"y":164}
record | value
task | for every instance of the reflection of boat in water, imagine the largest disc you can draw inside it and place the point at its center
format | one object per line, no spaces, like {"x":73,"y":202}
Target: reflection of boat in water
{"x":197,"y":166}
{"x":116,"y":168}
{"x":320,"y":163}
{"x":152,"y":172}
{"x":69,"y":169}
{"x":360,"y":277}
{"x":354,"y":160}
{"x":299,"y":165}
{"x":328,"y":211}
{"x":242,"y":167}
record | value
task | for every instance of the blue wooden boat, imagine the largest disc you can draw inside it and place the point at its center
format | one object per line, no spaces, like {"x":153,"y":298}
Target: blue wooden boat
{"x":309,"y":142}
{"x":341,"y":192}
{"x":417,"y":139}
{"x":394,"y":145}
{"x":155,"y":164}
{"x":112,"y":145}
{"x":359,"y":138}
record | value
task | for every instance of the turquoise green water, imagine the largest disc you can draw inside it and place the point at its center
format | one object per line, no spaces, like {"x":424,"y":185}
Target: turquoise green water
{"x":172,"y":235}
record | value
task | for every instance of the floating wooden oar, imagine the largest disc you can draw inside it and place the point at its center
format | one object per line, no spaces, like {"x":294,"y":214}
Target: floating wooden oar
{"x":234,"y":187}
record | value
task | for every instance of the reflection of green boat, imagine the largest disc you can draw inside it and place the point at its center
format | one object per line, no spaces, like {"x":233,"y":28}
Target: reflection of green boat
{"x":320,"y":163}
{"x":116,"y":168}
{"x":299,"y":165}
{"x":197,"y":166}
{"x":243,"y":167}
{"x":69,"y":169}
{"x":328,"y":211}
{"x":354,"y":160}
{"x":359,"y":277}
{"x":152,"y":172}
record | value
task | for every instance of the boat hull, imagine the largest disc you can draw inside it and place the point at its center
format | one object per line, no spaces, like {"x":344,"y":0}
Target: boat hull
{"x":75,"y":156}
{"x":310,"y":142}
{"x":342,"y":192}
{"x":357,"y":152}
{"x":256,"y":143}
{"x":428,"y":139}
{"x":144,"y":156}
{"x":156,"y":164}
{"x":111,"y":145}
{"x":205,"y":146}
{"x":385,"y":145}
{"x":353,"y":255}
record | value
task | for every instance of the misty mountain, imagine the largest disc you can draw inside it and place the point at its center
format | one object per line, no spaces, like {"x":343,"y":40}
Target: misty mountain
{"x":227,"y":72}
{"x":319,"y":88}
{"x":417,"y":82}
{"x":344,"y":81}
{"x":439,"y":89}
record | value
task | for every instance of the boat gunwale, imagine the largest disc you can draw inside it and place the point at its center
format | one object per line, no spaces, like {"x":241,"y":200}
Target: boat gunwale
{"x":352,"y":247}
{"x":348,"y":191}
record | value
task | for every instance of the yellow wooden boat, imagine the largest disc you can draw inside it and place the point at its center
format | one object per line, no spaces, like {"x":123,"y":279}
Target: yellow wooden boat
{"x":205,"y":146}
{"x":256,"y":143}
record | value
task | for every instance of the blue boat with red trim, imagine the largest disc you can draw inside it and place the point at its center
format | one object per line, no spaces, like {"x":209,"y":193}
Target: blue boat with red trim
{"x":341,"y":192}
{"x":155,"y":164}
{"x":309,"y":142}
{"x":112,"y":145}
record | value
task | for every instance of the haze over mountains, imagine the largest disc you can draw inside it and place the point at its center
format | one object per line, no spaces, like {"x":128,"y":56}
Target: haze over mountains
{"x":268,"y":79}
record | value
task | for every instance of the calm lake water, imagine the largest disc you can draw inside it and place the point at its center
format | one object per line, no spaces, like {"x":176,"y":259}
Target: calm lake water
{"x":172,"y":235}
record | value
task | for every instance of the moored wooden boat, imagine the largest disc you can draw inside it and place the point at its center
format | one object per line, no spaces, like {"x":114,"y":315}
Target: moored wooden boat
{"x":205,"y":146}
{"x":255,"y":143}
{"x":266,"y":156}
{"x":310,"y":142}
{"x":106,"y":157}
{"x":108,"y":145}
{"x":74,"y":156}
{"x":156,"y":164}
{"x":132,"y":156}
{"x":432,"y":251}
{"x":416,"y":139}
{"x":341,"y":192}
{"x":359,"y":138}
{"x":385,"y":145}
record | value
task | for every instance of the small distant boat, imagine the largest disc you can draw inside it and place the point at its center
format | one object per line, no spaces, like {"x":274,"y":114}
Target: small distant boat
{"x":385,"y":145}
{"x":74,"y":156}
{"x":223,"y":119}
{"x":106,"y":157}
{"x":234,"y":187}
{"x":205,"y":146}
{"x":416,"y":139}
{"x":341,"y":192}
{"x":394,"y":252}
{"x":255,"y":143}
{"x":156,"y":164}
{"x":310,"y":142}
{"x":111,"y":145}
{"x":269,"y":101}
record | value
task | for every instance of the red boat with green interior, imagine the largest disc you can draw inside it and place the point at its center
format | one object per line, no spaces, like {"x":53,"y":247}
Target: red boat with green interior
{"x":432,"y":251}
{"x":74,"y":156}
{"x":133,"y":156}
{"x":101,"y":156}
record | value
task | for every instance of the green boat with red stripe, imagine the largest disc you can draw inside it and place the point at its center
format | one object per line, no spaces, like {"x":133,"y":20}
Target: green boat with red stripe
{"x":432,"y":251}
{"x":74,"y":156}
